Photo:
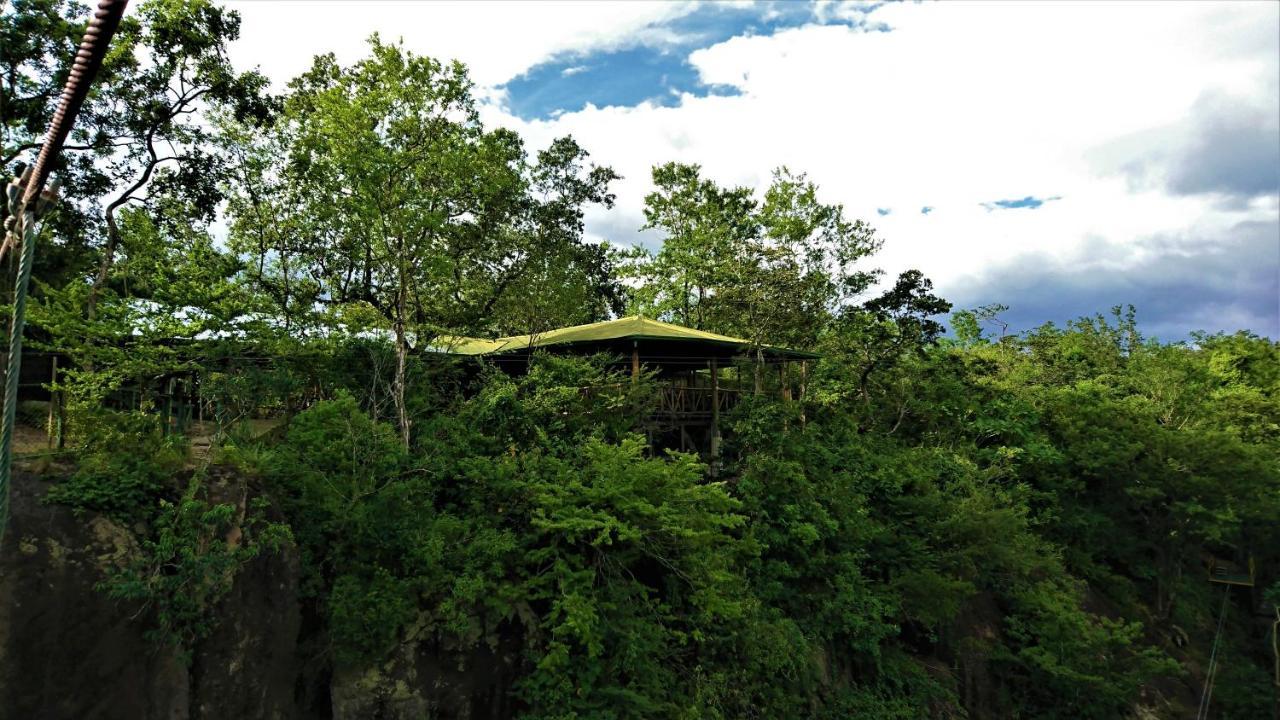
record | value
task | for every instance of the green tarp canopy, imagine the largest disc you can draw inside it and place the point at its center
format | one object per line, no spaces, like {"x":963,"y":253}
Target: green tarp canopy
{"x":621,"y":334}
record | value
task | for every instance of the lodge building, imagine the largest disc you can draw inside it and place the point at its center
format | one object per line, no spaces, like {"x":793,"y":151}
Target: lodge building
{"x":699,"y":375}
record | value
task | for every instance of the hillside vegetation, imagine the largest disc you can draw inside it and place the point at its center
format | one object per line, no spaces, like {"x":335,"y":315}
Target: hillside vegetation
{"x":951,"y":521}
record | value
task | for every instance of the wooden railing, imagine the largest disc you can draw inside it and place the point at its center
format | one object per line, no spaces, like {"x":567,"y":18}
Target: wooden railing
{"x":681,"y":402}
{"x":695,"y":402}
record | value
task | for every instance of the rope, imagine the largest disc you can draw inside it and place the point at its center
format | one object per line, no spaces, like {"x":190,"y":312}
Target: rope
{"x":26,"y":230}
{"x":1206,"y":695}
{"x":26,"y":203}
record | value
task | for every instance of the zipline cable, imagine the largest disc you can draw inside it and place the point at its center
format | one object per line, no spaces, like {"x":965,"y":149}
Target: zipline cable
{"x":27,"y":201}
{"x":1206,"y":695}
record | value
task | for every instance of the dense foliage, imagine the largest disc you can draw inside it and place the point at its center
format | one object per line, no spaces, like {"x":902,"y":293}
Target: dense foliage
{"x":946,"y":524}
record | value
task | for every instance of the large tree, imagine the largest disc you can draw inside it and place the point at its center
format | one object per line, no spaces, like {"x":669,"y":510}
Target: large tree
{"x":389,"y":193}
{"x":142,"y":133}
{"x":38,"y":40}
{"x":772,"y":271}
{"x":160,"y":144}
{"x":706,"y":227}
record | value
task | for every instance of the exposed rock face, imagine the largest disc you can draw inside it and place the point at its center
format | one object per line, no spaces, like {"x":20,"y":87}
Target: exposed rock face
{"x":69,"y":651}
{"x":248,"y":666}
{"x":427,"y":680}
{"x":66,"y":650}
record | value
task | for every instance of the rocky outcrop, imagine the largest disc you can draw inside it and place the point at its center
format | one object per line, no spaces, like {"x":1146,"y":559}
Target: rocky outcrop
{"x":69,"y":651}
{"x":428,"y":679}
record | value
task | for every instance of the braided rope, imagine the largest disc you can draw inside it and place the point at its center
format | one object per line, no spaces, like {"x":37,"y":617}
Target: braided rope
{"x":23,"y":227}
{"x":26,"y":203}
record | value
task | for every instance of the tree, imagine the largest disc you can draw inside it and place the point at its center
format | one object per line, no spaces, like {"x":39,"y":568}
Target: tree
{"x":558,"y":280}
{"x":967,"y":324}
{"x":883,"y":329}
{"x":171,"y":63}
{"x":802,"y":269}
{"x":771,"y":271}
{"x":705,"y":226}
{"x":175,"y":286}
{"x":407,"y":204}
{"x":140,"y":133}
{"x":271,"y":225}
{"x":38,"y":41}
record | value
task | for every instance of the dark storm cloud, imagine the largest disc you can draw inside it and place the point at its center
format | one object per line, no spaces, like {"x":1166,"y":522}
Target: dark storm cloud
{"x":1222,"y":283}
{"x":1234,"y":150}
{"x":1226,"y":146}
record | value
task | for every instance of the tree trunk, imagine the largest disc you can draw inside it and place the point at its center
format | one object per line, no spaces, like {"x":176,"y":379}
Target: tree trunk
{"x":368,"y":271}
{"x":402,"y":353}
{"x":113,"y":230}
{"x":284,"y":276}
{"x":104,"y":265}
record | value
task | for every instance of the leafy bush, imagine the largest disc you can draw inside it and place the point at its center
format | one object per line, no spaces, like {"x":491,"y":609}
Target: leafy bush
{"x":189,"y":562}
{"x":366,"y":614}
{"x":125,"y":468}
{"x":988,"y":549}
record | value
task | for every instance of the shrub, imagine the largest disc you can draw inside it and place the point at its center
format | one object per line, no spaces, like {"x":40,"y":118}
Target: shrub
{"x":124,"y":469}
{"x":188,"y":564}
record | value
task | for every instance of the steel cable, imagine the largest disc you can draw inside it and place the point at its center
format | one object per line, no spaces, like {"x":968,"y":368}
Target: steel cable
{"x":1206,"y":695}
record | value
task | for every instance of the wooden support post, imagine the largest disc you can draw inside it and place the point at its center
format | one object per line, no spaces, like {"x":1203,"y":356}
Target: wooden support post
{"x":674,"y":397}
{"x":804,"y":384}
{"x":62,"y":420}
{"x":715,"y":393}
{"x":166,"y":406}
{"x":715,"y":418}
{"x":759,"y":371}
{"x":782,"y":380}
{"x":184,"y":406}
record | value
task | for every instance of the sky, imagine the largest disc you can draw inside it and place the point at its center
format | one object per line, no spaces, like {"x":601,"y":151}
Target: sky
{"x":1059,"y":158}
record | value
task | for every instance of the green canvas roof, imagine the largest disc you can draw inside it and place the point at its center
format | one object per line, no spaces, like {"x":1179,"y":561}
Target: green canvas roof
{"x":635,"y":327}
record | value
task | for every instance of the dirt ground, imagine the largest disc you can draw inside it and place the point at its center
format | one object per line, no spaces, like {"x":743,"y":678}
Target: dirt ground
{"x":31,"y":442}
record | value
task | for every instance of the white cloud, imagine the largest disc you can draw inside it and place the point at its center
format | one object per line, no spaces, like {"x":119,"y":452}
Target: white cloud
{"x":497,"y":40}
{"x":959,"y":105}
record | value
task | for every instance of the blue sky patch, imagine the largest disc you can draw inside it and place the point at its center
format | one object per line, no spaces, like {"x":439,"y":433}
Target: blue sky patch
{"x":1030,"y":202}
{"x":883,"y":211}
{"x":621,"y":77}
{"x":926,"y":209}
{"x":655,"y":71}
